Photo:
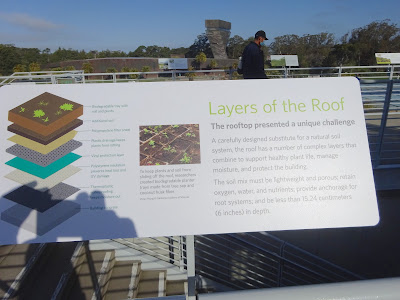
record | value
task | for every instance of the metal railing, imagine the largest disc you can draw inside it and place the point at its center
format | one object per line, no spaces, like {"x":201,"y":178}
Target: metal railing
{"x":78,"y":76}
{"x":260,"y":260}
{"x":381,"y":99}
{"x":171,"y":249}
{"x":244,"y":260}
{"x":380,"y":89}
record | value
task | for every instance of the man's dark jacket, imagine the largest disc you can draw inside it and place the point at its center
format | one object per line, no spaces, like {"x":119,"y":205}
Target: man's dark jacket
{"x":253,"y":62}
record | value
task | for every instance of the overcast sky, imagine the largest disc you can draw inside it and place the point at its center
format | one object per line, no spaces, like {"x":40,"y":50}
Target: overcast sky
{"x":125,"y":25}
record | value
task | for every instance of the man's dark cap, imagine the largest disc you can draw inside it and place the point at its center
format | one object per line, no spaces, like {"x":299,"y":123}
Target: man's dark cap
{"x":261,"y":33}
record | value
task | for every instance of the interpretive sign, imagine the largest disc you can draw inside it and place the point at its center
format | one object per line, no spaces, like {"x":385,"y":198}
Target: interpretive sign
{"x":284,"y":61}
{"x":179,"y":158}
{"x":172,"y":63}
{"x":387,"y":58}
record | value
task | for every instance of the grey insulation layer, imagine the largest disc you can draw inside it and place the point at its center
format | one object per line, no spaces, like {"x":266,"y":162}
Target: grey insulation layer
{"x":43,"y":159}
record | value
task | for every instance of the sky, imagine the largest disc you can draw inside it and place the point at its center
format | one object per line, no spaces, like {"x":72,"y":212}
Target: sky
{"x":125,"y":25}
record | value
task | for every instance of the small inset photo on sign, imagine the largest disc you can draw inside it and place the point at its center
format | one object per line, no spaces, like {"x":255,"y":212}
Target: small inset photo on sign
{"x":169,"y":144}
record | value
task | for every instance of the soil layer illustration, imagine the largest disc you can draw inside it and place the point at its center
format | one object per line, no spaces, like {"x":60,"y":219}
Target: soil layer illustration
{"x":44,"y":141}
{"x":169,"y":144}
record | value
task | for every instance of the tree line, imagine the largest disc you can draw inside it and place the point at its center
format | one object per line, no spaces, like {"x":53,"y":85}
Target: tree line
{"x":358,"y":47}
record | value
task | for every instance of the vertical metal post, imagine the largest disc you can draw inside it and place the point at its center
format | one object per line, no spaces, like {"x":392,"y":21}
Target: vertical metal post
{"x":340,"y":71}
{"x":181,"y":254}
{"x":191,"y":267}
{"x":382,"y":128}
{"x":173,"y":75}
{"x":114,"y":77}
{"x":286,"y":73}
{"x":391,"y":72}
{"x":171,"y":250}
{"x":281,"y":262}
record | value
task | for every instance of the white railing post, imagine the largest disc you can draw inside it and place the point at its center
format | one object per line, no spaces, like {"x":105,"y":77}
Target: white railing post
{"x":191,"y":267}
{"x":181,"y":255}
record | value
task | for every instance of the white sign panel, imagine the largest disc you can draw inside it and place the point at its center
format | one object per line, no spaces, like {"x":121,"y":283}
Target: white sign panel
{"x":163,"y":63}
{"x":387,"y":58}
{"x":284,"y":60}
{"x":182,"y":158}
{"x":178,"y":64}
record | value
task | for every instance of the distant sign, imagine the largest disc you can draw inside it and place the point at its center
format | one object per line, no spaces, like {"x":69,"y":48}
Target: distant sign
{"x":178,"y":64}
{"x":163,"y":63}
{"x":387,"y":58}
{"x":284,"y":61}
{"x":172,"y":63}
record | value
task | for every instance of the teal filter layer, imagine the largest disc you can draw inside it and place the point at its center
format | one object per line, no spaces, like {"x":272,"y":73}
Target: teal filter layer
{"x":43,"y":172}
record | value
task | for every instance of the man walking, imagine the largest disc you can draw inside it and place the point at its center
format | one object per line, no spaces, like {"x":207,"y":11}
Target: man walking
{"x":253,"y":58}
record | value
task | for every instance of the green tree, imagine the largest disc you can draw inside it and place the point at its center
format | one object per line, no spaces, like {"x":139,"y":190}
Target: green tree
{"x":235,"y":46}
{"x":145,"y":69}
{"x":342,"y":55}
{"x":19,"y":68}
{"x":190,"y":75}
{"x":45,"y":56}
{"x":312,"y":49}
{"x":139,"y":52}
{"x":179,"y":51}
{"x":375,"y":37}
{"x":109,"y":53}
{"x":87,"y":67}
{"x":69,"y":68}
{"x":200,"y":58}
{"x":29,"y":55}
{"x":133,"y":76}
{"x":34,"y":67}
{"x":213,"y":64}
{"x":9,"y":58}
{"x":111,"y":70}
{"x":201,"y":44}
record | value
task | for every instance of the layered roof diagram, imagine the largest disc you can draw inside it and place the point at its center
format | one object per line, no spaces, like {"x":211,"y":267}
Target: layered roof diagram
{"x":44,"y":141}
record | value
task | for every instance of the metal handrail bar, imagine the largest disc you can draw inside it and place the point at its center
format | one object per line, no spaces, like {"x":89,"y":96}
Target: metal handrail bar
{"x":154,"y":253}
{"x":291,"y":262}
{"x":211,"y":276}
{"x":166,"y":243}
{"x":235,"y":243}
{"x":318,"y":266}
{"x":254,"y":277}
{"x":238,"y":244}
{"x":313,"y":276}
{"x":269,"y":236}
{"x":264,"y":250}
{"x":236,"y":259}
{"x":224,"y":267}
{"x":307,"y":253}
{"x":302,"y":278}
{"x":168,"y":251}
{"x":47,"y":72}
{"x":312,"y":255}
